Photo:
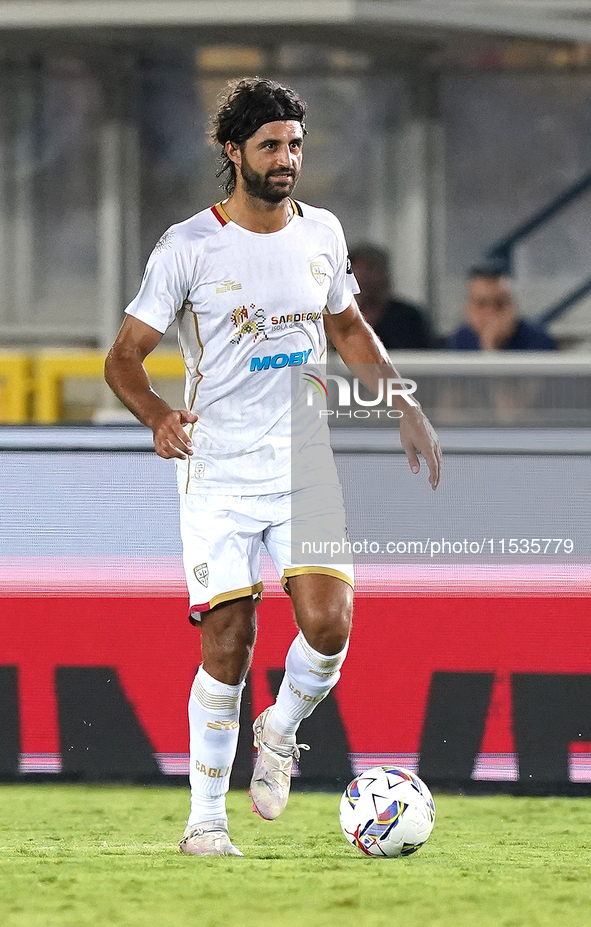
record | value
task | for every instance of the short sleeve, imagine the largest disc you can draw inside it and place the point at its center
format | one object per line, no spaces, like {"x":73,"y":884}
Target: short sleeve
{"x":344,"y":286}
{"x":165,"y":284}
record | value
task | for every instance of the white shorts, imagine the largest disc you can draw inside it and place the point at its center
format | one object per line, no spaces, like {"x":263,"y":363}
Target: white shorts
{"x":303,"y":531}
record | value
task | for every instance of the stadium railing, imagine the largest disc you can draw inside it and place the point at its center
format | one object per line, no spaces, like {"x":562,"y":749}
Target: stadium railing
{"x":455,"y":388}
{"x":15,"y":387}
{"x":53,"y":368}
{"x":499,"y":389}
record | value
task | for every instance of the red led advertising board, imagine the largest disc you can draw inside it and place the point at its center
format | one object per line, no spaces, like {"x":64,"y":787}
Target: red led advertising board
{"x":460,"y":687}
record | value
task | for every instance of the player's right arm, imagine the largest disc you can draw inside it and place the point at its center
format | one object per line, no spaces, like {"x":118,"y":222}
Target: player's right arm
{"x":126,"y":375}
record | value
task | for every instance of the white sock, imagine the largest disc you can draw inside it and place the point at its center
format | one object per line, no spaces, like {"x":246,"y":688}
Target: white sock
{"x":309,"y":677}
{"x":214,"y":709}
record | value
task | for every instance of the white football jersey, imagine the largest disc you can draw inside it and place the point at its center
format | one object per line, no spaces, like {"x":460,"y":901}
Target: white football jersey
{"x":249,"y":308}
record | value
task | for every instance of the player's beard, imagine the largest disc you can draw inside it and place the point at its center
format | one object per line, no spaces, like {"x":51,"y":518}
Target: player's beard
{"x":263,"y":187}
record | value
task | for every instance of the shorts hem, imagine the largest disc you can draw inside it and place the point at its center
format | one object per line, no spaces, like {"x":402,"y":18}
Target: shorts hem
{"x":326,"y":571}
{"x":255,"y":590}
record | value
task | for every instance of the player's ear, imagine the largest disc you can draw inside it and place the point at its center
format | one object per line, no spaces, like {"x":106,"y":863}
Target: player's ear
{"x":234,"y":152}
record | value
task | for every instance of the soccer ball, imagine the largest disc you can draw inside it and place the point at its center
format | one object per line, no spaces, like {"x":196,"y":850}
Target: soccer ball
{"x":387,"y":811}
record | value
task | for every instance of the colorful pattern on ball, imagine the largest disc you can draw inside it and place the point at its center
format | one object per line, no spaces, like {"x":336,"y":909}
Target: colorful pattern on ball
{"x":352,"y":793}
{"x":387,"y":811}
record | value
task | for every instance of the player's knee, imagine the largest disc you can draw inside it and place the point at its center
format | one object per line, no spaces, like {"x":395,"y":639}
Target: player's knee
{"x":327,"y":631}
{"x":238,"y":649}
{"x":237,"y":640}
{"x":229,"y":632}
{"x":329,"y":641}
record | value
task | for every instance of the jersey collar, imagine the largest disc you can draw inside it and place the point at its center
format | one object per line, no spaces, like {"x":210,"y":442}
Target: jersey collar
{"x":223,"y":217}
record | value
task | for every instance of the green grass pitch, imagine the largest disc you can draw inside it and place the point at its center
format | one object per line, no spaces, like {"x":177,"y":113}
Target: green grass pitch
{"x":84,"y":855}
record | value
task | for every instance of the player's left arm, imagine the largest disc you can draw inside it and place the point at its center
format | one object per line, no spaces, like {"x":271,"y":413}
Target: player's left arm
{"x":364,"y":354}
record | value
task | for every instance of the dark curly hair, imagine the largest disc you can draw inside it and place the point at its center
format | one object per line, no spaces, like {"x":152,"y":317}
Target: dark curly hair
{"x":244,"y":106}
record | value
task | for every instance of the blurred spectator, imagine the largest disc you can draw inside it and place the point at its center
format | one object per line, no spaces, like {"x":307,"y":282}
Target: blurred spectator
{"x":397,"y":323}
{"x":493,"y":323}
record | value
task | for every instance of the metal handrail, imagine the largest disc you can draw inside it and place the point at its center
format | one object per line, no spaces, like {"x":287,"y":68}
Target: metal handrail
{"x":484,"y":363}
{"x":502,"y":250}
{"x":559,"y":308}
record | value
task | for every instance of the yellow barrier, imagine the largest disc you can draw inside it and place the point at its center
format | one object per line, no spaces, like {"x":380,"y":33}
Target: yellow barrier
{"x":51,"y":368}
{"x":15,"y":387}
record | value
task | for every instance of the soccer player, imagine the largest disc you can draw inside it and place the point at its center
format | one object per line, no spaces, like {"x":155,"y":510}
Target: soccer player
{"x":255,"y":283}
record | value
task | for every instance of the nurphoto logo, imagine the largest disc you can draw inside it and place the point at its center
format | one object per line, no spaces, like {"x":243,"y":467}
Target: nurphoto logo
{"x":386,"y":388}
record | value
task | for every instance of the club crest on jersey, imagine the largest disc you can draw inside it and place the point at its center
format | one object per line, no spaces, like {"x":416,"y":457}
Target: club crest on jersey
{"x":318,"y":271}
{"x":201,"y":572}
{"x":248,"y":324}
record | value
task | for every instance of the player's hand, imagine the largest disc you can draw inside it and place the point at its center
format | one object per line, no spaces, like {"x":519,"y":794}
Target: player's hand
{"x":418,"y":436}
{"x":170,"y":438}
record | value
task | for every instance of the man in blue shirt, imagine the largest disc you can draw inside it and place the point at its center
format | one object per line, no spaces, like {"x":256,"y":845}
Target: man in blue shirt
{"x":492,"y":323}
